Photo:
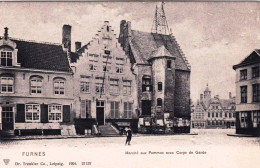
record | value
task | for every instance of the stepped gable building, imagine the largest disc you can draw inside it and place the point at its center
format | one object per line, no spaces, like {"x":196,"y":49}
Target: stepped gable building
{"x":214,"y":112}
{"x":104,"y":83}
{"x":35,"y":94}
{"x":248,"y":91}
{"x":163,"y":75}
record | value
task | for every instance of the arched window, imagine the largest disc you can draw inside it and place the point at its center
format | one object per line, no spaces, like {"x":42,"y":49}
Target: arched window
{"x":159,"y":102}
{"x":7,"y":83}
{"x":36,"y":83}
{"x":59,"y":86}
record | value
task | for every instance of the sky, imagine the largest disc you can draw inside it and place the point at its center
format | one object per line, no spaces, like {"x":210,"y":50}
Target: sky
{"x":214,"y":36}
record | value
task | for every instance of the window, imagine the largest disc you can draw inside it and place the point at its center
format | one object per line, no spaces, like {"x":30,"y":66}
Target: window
{"x":208,"y":114}
{"x":159,"y":102}
{"x":159,"y":86}
{"x":216,"y":107}
{"x":256,"y":92}
{"x":99,"y":86}
{"x":220,"y":122}
{"x":6,"y":58}
{"x":230,"y":115}
{"x":256,"y":118}
{"x":209,"y":123}
{"x":84,"y":87}
{"x":226,"y":115}
{"x":243,"y":120}
{"x":212,"y":114}
{"x":243,"y":90}
{"x":107,"y":52}
{"x":114,"y":109}
{"x":106,"y":67}
{"x":127,"y":89}
{"x":220,"y":115}
{"x":32,"y":112}
{"x":169,"y":64}
{"x":85,"y":109}
{"x":243,"y":74}
{"x":36,"y":85}
{"x":59,"y":87}
{"x":114,"y":87}
{"x":213,"y":122}
{"x":234,"y":115}
{"x":7,"y":85}
{"x":146,"y":84}
{"x":217,"y":114}
{"x":55,"y":113}
{"x":119,"y":68}
{"x":93,"y":65}
{"x":255,"y":72}
{"x":217,"y":122}
{"x":128,"y":110}
{"x":7,"y":114}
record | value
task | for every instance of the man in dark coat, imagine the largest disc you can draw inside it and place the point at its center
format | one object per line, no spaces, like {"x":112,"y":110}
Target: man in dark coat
{"x":128,"y":136}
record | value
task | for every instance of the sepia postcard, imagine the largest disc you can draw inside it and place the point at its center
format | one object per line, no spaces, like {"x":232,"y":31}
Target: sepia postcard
{"x":128,"y":84}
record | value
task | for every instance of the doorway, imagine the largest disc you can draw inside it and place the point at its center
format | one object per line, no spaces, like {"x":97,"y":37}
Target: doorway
{"x":100,"y":112}
{"x":146,"y":107}
{"x":7,"y":118}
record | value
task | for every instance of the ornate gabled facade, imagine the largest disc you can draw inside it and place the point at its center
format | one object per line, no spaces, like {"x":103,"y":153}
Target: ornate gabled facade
{"x":35,"y":97}
{"x":163,"y":78}
{"x":214,"y":112}
{"x":104,"y":83}
{"x":248,"y":94}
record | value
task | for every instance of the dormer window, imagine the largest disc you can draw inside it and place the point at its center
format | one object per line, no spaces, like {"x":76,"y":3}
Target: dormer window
{"x":6,"y":58}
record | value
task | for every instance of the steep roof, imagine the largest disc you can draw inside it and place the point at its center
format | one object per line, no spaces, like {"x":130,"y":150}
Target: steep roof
{"x":225,"y":103}
{"x":161,"y":51}
{"x":144,"y":44}
{"x":44,"y":56}
{"x":253,"y":58}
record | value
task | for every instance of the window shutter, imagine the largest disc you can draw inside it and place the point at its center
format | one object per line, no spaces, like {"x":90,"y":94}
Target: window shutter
{"x":20,"y":113}
{"x":117,"y":109}
{"x":125,"y":110}
{"x":88,"y":108}
{"x":83,"y":108}
{"x":44,"y":113}
{"x":66,"y":113}
{"x":112,"y":110}
{"x":130,"y":110}
{"x":237,"y":121}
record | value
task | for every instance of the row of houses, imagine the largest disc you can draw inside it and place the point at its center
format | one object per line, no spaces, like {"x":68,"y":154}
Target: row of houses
{"x":248,"y":94}
{"x":213,"y":112}
{"x":136,"y":80}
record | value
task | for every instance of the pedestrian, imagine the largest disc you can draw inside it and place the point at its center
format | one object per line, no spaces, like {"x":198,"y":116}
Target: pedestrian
{"x":128,"y":136}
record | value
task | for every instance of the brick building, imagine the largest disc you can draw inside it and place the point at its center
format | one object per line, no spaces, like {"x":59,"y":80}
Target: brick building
{"x":214,"y":112}
{"x":248,"y":94}
{"x":163,"y":77}
{"x":35,"y":94}
{"x":104,"y":83}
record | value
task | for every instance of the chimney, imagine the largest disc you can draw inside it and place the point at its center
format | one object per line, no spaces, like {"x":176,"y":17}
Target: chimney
{"x":77,"y":45}
{"x":230,"y":95}
{"x":66,"y":37}
{"x":6,"y":33}
{"x":201,"y":97}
